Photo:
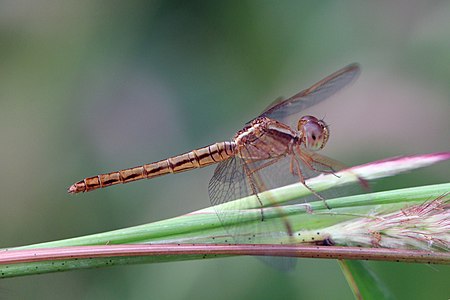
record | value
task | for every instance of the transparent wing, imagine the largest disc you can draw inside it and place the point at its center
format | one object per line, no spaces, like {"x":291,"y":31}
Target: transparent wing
{"x":255,"y":219}
{"x":252,"y":220}
{"x":318,"y":92}
{"x":244,"y":219}
{"x":247,"y":221}
{"x":234,"y":179}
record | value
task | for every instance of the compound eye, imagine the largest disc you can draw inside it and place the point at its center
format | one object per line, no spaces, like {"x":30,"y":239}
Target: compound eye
{"x":314,"y":132}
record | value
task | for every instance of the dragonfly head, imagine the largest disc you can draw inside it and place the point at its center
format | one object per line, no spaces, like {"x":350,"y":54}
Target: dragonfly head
{"x":314,"y":132}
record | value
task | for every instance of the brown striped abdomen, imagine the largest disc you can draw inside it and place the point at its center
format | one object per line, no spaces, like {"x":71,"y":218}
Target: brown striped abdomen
{"x":191,"y":160}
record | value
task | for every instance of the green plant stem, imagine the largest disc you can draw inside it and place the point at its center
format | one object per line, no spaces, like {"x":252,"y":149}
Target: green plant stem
{"x":202,"y":225}
{"x":311,"y":224}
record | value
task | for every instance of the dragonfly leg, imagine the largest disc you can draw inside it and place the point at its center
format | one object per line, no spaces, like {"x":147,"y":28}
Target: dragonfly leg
{"x":252,"y":184}
{"x":309,"y":162}
{"x":265,"y":165}
{"x":257,"y":184}
{"x":296,"y":164}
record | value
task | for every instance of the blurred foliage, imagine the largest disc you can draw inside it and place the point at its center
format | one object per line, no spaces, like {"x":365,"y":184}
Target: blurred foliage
{"x":93,"y":86}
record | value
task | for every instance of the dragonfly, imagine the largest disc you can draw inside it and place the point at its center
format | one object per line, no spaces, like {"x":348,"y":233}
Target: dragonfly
{"x":266,"y":153}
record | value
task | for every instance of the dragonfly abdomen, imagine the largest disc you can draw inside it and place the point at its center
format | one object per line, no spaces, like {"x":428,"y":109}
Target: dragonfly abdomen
{"x":191,"y":160}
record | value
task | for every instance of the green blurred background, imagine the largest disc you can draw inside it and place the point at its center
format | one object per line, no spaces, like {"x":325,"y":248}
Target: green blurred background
{"x":93,"y":86}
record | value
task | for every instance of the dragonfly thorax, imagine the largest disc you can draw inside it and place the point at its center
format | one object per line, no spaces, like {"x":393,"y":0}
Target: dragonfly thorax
{"x":265,"y":138}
